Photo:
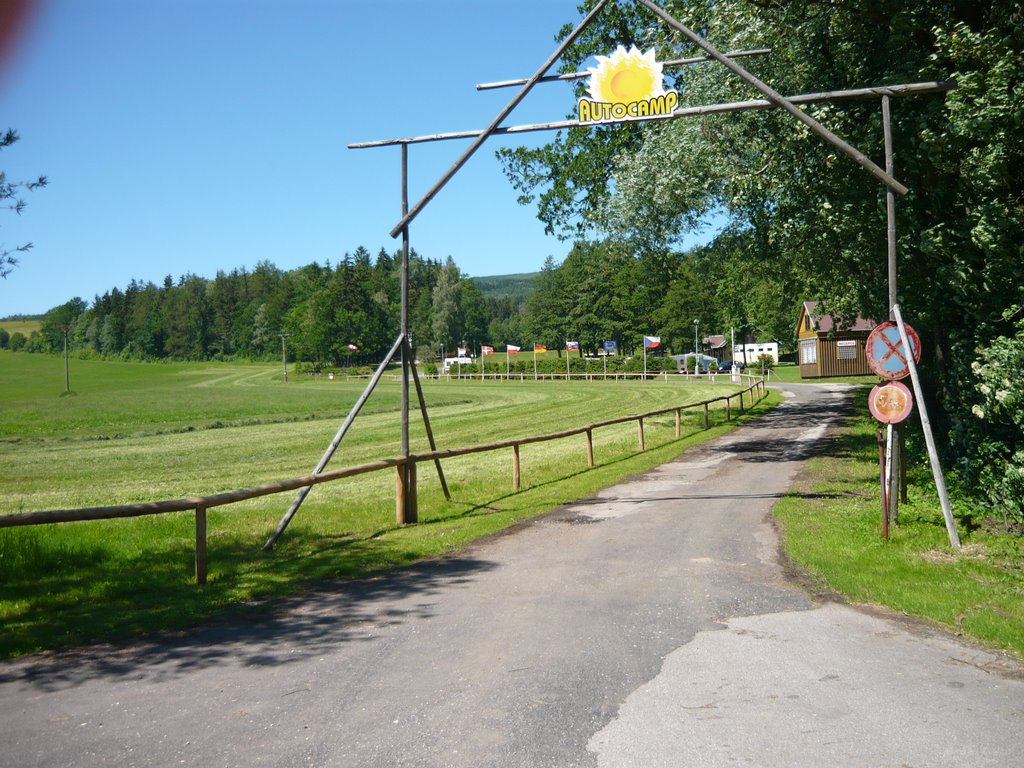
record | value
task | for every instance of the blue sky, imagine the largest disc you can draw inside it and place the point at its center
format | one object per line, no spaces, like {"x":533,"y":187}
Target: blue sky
{"x":188,"y":136}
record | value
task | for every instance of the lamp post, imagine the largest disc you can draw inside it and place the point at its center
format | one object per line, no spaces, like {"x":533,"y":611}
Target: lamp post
{"x":696,"y":323}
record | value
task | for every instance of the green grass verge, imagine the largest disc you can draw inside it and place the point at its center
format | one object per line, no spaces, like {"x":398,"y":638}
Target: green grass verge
{"x":138,"y":432}
{"x":832,"y":530}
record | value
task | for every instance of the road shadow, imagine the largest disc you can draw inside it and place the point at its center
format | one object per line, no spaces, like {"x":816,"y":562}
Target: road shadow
{"x":767,"y":438}
{"x":271,"y":635}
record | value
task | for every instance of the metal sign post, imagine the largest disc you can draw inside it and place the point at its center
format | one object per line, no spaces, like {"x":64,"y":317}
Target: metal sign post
{"x":933,"y":455}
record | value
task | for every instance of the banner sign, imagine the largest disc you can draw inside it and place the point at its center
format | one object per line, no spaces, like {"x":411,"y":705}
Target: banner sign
{"x":628,"y":85}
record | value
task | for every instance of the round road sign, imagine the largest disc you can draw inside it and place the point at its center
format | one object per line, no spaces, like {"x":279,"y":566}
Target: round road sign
{"x":891,"y":402}
{"x":885,"y":353}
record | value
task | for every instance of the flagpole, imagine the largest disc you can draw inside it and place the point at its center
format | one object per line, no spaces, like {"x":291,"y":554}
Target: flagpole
{"x":535,"y":362}
{"x":506,"y":362}
{"x":566,"y":362}
{"x":482,"y":364}
{"x":643,"y":341}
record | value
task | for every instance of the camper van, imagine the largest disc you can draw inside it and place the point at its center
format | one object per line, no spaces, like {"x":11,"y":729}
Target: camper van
{"x":685,"y":363}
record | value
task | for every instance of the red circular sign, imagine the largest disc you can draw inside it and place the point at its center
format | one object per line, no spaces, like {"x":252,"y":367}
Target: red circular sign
{"x":891,"y":402}
{"x":885,"y":352}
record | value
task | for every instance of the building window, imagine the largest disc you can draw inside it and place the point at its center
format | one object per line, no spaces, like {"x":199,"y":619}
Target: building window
{"x":809,"y":352}
{"x":807,"y":322}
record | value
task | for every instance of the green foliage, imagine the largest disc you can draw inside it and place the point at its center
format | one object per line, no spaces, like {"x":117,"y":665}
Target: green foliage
{"x":10,"y":198}
{"x":996,"y":433}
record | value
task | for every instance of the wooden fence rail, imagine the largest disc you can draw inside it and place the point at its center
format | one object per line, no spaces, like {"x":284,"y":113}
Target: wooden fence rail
{"x":200,"y":504}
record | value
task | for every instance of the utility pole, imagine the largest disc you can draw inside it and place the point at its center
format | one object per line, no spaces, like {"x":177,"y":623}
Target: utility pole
{"x":284,"y":355}
{"x":65,"y":327}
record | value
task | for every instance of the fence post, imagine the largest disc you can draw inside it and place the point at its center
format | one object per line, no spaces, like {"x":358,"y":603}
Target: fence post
{"x":515,"y":467}
{"x":741,"y":400}
{"x":590,"y":447}
{"x":728,"y":408}
{"x":640,"y":432}
{"x":679,"y":424}
{"x":400,"y":494}
{"x":200,"y":544}
{"x":412,"y":514}
{"x":707,"y":422}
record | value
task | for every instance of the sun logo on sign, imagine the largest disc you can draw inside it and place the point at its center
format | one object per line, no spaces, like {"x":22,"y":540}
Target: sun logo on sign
{"x":626,"y":85}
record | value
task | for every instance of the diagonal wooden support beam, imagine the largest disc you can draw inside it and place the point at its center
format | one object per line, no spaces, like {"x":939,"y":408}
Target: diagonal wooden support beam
{"x":777,"y":98}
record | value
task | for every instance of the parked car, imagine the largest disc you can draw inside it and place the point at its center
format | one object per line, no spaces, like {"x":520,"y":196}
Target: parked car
{"x":730,"y":366}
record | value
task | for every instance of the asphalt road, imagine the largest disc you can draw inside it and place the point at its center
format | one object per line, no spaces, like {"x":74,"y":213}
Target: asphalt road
{"x":649,"y":626}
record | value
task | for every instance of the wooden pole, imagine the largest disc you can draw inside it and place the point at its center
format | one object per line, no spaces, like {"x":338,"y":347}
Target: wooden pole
{"x":707,"y":419}
{"x":515,"y":468}
{"x":303,"y":492}
{"x":679,"y":422}
{"x":581,"y":75}
{"x":895,"y":459}
{"x":728,"y":409}
{"x":200,"y":544}
{"x":408,"y":515}
{"x":400,"y":485}
{"x":926,"y":426}
{"x":640,"y":432}
{"x":855,"y":94}
{"x":590,"y":448}
{"x":430,"y":432}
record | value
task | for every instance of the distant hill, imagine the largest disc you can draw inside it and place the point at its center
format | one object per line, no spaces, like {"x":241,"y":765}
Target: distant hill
{"x":519,"y":287}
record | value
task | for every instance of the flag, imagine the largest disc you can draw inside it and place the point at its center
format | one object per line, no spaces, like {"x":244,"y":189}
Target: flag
{"x":462,"y":351}
{"x":610,"y":346}
{"x":539,"y":348}
{"x":353,"y":347}
{"x":511,"y":348}
{"x":485,"y":350}
{"x":572,"y":345}
{"x":650,"y":342}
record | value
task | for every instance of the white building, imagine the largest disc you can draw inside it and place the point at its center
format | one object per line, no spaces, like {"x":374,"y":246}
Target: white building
{"x":754,"y":351}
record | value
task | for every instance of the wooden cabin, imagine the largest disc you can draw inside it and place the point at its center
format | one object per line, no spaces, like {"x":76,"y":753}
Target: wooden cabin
{"x":823,"y":349}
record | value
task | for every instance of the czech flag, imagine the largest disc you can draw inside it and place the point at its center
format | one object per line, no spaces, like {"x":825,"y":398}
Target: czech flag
{"x":650,"y":342}
{"x":539,"y":348}
{"x":462,"y":351}
{"x":511,"y":348}
{"x":572,"y":345}
{"x":485,"y":350}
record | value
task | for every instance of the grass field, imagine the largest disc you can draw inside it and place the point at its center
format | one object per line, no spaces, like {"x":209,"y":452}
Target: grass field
{"x":25,"y":327}
{"x":134,"y":432}
{"x":831,"y":523}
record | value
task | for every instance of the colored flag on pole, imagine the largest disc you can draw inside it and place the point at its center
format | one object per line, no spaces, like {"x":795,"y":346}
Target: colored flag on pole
{"x":462,"y":351}
{"x":611,"y":346}
{"x":353,"y":347}
{"x":511,"y":348}
{"x":650,"y":342}
{"x":485,"y":350}
{"x":539,"y":348}
{"x":572,"y":345}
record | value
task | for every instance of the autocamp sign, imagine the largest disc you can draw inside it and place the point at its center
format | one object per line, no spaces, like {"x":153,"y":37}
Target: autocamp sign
{"x":628,"y":85}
